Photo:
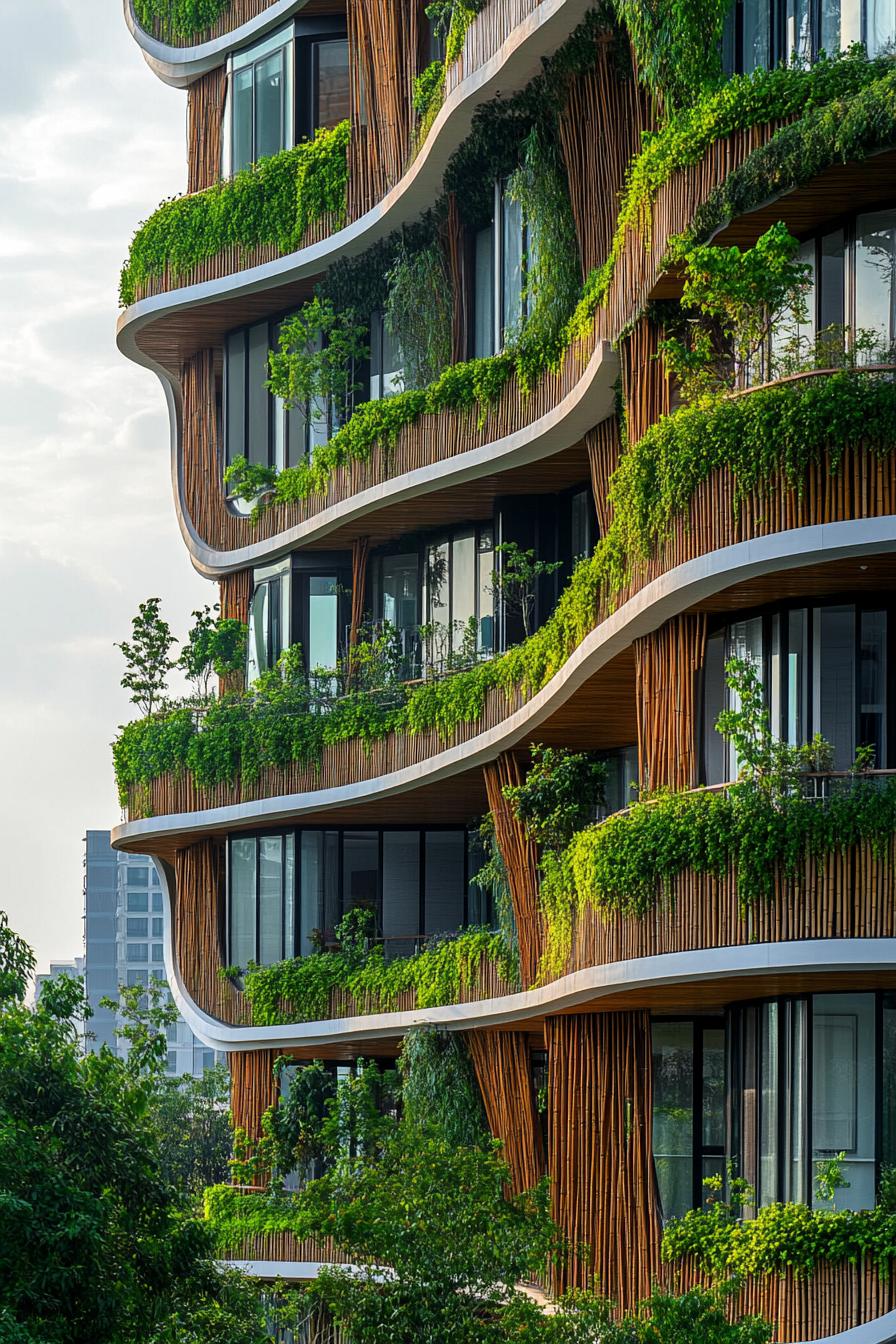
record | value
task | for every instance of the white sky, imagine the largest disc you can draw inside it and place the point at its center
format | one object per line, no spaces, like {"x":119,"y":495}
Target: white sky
{"x":90,"y":142}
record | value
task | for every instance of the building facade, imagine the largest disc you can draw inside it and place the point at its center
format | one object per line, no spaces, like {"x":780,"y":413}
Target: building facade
{"x":505,"y":517}
{"x":124,"y":936}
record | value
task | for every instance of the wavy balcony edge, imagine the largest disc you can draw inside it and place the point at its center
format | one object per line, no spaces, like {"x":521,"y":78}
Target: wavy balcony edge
{"x":180,"y":66}
{"x":664,"y":597}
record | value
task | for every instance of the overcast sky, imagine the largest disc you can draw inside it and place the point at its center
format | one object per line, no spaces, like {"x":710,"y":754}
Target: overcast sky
{"x":90,"y":142}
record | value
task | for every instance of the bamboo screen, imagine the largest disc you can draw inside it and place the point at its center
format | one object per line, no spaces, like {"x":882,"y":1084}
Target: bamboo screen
{"x":504,"y":1074}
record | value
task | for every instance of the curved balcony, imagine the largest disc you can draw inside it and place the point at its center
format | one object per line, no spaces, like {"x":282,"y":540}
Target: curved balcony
{"x":447,"y":450}
{"x":778,"y":526}
{"x":180,"y":60}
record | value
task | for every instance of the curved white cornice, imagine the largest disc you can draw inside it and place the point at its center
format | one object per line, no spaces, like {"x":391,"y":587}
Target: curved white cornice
{"x":180,"y":66}
{"x":882,"y":1330}
{"x":667,"y":596}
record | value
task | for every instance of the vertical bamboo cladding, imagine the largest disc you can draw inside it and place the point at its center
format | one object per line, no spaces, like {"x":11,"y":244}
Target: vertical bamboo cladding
{"x":645,"y":385}
{"x":205,"y":116}
{"x":666,"y":666}
{"x":520,"y":855}
{"x":504,"y":1074}
{"x":603,"y":446}
{"x":253,"y":1088}
{"x":383,"y":42}
{"x":603,"y":115}
{"x":198,"y":940}
{"x":236,"y":591}
{"x":603,"y":1192}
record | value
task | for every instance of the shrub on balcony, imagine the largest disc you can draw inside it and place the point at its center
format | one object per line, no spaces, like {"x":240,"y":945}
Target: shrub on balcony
{"x":846,"y":109}
{"x":179,"y":19}
{"x":273,"y":201}
{"x":781,"y":1238}
{"x":299,"y":990}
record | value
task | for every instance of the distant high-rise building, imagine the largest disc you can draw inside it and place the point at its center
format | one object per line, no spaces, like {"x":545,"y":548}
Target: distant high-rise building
{"x":124,"y":937}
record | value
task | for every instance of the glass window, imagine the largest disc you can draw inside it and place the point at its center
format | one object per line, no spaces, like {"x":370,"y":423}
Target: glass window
{"x":138,"y":900}
{"x":331,"y":83}
{"x":580,"y":525}
{"x":137,"y":977}
{"x":137,"y":952}
{"x":444,"y":892}
{"x":463,"y":588}
{"x":323,"y":621}
{"x":480,"y":898}
{"x":400,"y":604}
{"x":386,"y":373}
{"x":138,"y":877}
{"x":888,"y":1082}
{"x":269,"y":624}
{"x":138,"y":928}
{"x":360,"y":869}
{"x":512,"y":250}
{"x":873,"y":682}
{"x":171,"y":1066}
{"x":157,"y":900}
{"x":832,"y":281}
{"x":242,"y":901}
{"x":768,"y":1103}
{"x":259,"y":111}
{"x":401,"y":891}
{"x":673,"y":1115}
{"x":880,"y":25}
{"x":484,"y":293}
{"x":158,"y":953}
{"x":844,"y":1090}
{"x":834,"y":654}
{"x":757,"y":35}
{"x":158,"y":927}
{"x":485,"y":560}
{"x":438,"y":602}
{"x":875,"y":275}
{"x":319,"y":891}
{"x":270,"y":899}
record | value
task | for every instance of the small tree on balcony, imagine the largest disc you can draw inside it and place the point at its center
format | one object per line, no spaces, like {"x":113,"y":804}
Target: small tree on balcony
{"x":147,"y":657}
{"x":215,"y":644}
{"x":515,"y":583}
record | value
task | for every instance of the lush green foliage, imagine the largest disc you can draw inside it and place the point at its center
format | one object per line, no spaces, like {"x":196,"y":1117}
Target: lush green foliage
{"x":96,"y":1247}
{"x":845,"y":106}
{"x":761,"y":824}
{"x":278,"y":721}
{"x":559,"y":795}
{"x":845,"y":125}
{"x":214,"y":644}
{"x":419,"y":312}
{"x":273,"y":201}
{"x":677,"y":45}
{"x":760,"y":437}
{"x":697,"y":1317}
{"x":147,"y":656}
{"x":781,"y":1237}
{"x":179,"y":19}
{"x":732,"y":300}
{"x":299,"y":990}
{"x":439,"y":1086}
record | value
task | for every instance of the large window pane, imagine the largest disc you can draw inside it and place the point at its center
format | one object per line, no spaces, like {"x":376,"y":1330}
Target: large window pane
{"x":888,"y":1083}
{"x":873,"y":684}
{"x":512,"y":268}
{"x":844,"y":1089}
{"x":673,"y":1115}
{"x":485,"y":560}
{"x":832,"y":280}
{"x":797,"y":33}
{"x":756,"y":35}
{"x":242,"y":119}
{"x":713,"y":1110}
{"x":769,"y":1096}
{"x":875,"y":269}
{"x":270,"y":899}
{"x":880,"y":25}
{"x":360,"y":869}
{"x":463,"y":587}
{"x":834,"y":678}
{"x":444,"y":891}
{"x":745,"y":644}
{"x":235,"y":391}
{"x":715,"y":754}
{"x":829,"y":31}
{"x":438,"y":601}
{"x":484,"y":294}
{"x":401,"y":891}
{"x":332,"y":92}
{"x":269,"y":105}
{"x":400,"y":606}
{"x":242,"y":902}
{"x":323,"y":617}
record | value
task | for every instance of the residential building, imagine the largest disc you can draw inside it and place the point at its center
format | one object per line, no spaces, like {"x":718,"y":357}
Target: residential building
{"x":516,"y":517}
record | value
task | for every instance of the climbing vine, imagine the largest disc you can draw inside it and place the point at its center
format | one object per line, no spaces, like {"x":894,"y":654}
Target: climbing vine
{"x":177,"y":20}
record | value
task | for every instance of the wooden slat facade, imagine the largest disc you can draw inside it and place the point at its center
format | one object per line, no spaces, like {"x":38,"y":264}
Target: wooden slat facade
{"x":504,"y":1074}
{"x":600,"y":1160}
{"x":667,"y":667}
{"x":254,"y":1088}
{"x":520,"y":855}
{"x":205,"y":116}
